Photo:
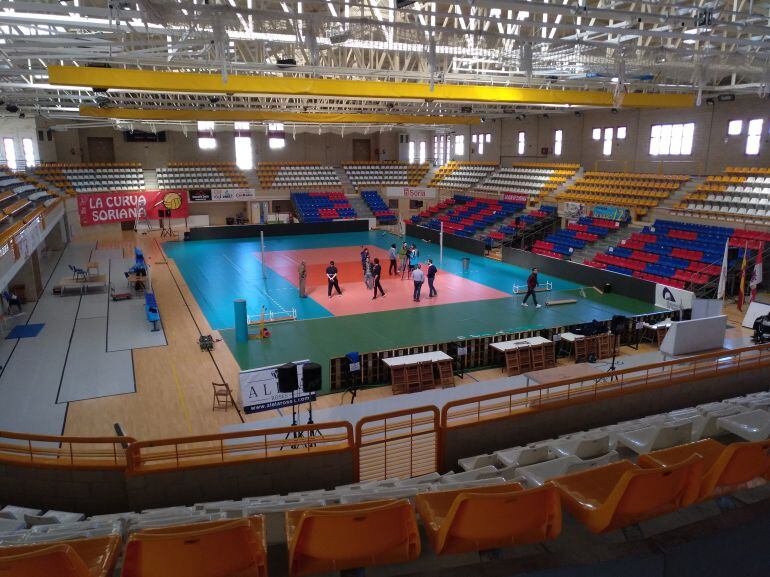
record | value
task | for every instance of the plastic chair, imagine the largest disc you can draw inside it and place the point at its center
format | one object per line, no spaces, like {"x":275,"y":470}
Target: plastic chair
{"x":214,"y":548}
{"x":622,"y":494}
{"x":486,"y":518}
{"x":725,"y":468}
{"x":93,"y":557}
{"x":351,"y":536}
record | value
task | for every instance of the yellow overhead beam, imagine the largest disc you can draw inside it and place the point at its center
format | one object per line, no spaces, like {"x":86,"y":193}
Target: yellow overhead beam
{"x":158,"y":81}
{"x":161,"y":115}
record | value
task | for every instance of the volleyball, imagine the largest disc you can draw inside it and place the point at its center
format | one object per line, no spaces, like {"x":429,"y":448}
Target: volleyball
{"x":172,"y":201}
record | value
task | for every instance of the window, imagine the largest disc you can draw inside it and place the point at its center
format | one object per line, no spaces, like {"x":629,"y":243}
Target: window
{"x":459,"y":144}
{"x":557,"y":138}
{"x":422,"y":152}
{"x":488,"y":138}
{"x":607,"y":147}
{"x":10,"y":153}
{"x":671,"y":139}
{"x":522,"y":142}
{"x":755,"y":134}
{"x":621,"y":133}
{"x":206,"y":140}
{"x":442,"y":149}
{"x":244,"y":156}
{"x":29,"y":152}
{"x":596,"y":134}
{"x":734,"y":127}
{"x":411,"y":152}
{"x":276,"y":137}
{"x":480,"y":139}
{"x":415,"y":204}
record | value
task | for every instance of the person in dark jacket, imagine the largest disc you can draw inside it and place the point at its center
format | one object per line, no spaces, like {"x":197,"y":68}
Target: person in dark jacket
{"x":432,"y":270}
{"x":531,"y":286}
{"x":376,"y":274}
{"x":331,"y":277}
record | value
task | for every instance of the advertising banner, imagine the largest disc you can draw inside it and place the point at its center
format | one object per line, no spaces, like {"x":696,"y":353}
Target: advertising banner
{"x":672,"y":298}
{"x":259,"y":389}
{"x":573,"y":210}
{"x":609,"y":212}
{"x":415,"y":192}
{"x":105,"y":207}
{"x":221,"y":194}
{"x":516,"y":197}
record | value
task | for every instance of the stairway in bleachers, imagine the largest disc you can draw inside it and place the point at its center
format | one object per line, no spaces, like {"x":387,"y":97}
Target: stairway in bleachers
{"x":612,"y":239}
{"x":150,"y":179}
{"x":358,"y":204}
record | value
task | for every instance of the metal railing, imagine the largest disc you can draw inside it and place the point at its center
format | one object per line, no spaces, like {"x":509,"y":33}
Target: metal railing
{"x":239,"y":447}
{"x":46,"y":450}
{"x":505,"y":404}
{"x":399,"y":444}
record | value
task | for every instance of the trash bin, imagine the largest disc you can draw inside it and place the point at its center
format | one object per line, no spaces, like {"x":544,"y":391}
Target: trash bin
{"x":466,"y":264}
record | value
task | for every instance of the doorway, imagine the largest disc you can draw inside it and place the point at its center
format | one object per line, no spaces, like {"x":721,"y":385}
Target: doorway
{"x":101,"y":149}
{"x":362,"y":149}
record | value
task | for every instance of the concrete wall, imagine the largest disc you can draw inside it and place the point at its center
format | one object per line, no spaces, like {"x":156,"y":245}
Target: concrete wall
{"x":491,"y":436}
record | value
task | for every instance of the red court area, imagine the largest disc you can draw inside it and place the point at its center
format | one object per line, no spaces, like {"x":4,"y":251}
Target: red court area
{"x":356,"y":298}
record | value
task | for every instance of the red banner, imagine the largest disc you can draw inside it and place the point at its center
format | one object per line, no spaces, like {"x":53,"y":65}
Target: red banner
{"x":106,"y":207}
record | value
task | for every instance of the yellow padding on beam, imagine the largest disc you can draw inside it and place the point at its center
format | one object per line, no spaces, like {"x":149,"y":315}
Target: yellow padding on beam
{"x":278,"y":116}
{"x":196,"y":82}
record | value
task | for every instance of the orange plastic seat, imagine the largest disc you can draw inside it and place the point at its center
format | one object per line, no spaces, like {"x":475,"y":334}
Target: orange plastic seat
{"x":231,"y":548}
{"x":622,"y":494}
{"x":93,"y":557}
{"x":493,"y":517}
{"x":355,"y":536}
{"x":725,"y":468}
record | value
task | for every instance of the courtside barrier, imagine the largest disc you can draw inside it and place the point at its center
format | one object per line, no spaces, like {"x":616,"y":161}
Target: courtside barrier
{"x":74,"y":452}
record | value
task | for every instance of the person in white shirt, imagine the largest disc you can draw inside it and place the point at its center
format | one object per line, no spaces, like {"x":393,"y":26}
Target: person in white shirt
{"x":418,"y":277}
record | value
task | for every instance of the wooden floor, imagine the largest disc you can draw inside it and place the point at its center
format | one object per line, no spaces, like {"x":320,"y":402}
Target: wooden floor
{"x":173,"y":383}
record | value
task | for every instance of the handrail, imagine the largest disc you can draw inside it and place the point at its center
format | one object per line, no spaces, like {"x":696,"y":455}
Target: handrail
{"x":48,"y":450}
{"x":463,"y":412}
{"x":262,"y":444}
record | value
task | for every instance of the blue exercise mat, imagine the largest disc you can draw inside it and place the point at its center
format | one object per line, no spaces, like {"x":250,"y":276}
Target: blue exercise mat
{"x":25,"y":331}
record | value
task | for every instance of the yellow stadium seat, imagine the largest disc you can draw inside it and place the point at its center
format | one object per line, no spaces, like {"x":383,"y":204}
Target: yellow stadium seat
{"x":725,"y":468}
{"x":493,"y":517}
{"x":93,"y":557}
{"x":622,"y":494}
{"x":351,"y":536}
{"x":213,"y":549}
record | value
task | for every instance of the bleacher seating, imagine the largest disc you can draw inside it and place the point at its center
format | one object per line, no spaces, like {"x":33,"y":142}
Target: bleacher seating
{"x":637,"y":191}
{"x":739,"y":194}
{"x":385,"y":173}
{"x":201,"y":175}
{"x":322,"y":206}
{"x":378,"y":207}
{"x":538,"y":179}
{"x":19,"y":195}
{"x":93,"y":177}
{"x":585,"y":231}
{"x":456,"y":174}
{"x":296,"y":175}
{"x":676,"y":253}
{"x":489,"y":220}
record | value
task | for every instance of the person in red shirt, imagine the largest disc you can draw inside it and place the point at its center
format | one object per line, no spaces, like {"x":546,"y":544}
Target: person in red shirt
{"x":531,"y":286}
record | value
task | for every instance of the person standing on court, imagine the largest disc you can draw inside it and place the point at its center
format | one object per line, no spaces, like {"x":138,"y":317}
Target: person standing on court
{"x":368,"y":274}
{"x":403,"y":255}
{"x":531,"y":286}
{"x":302,"y":280}
{"x":376,"y":274}
{"x":364,"y":257}
{"x":432,"y":270}
{"x":393,"y":268}
{"x":418,"y":277}
{"x":331,"y":276}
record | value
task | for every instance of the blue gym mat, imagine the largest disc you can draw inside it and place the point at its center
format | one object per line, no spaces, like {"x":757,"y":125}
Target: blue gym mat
{"x":25,"y":331}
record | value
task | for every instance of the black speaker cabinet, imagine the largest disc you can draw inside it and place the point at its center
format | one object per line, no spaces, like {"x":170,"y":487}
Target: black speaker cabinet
{"x":311,"y":377}
{"x":287,"y":378}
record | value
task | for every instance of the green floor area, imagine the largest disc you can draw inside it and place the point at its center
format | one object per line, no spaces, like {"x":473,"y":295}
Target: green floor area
{"x":325,"y":338}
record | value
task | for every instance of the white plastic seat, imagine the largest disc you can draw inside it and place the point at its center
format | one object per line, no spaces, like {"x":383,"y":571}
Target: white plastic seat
{"x":657,"y":436}
{"x":584,"y":447}
{"x":537,"y":474}
{"x":467,"y":484}
{"x":472,"y":475}
{"x":477,"y":462}
{"x":52,"y":517}
{"x":521,"y":456}
{"x":13,"y":512}
{"x":751,"y":425}
{"x":7,"y":525}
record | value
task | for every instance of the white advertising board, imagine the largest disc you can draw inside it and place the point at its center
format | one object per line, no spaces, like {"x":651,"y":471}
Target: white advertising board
{"x":695,"y":336}
{"x":671,"y":298}
{"x":259,"y":389}
{"x":415,"y":192}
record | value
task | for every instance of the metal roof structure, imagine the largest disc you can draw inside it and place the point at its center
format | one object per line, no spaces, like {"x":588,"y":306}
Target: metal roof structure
{"x":613,"y":47}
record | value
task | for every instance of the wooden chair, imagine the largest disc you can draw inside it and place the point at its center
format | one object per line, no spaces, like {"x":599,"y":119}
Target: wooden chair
{"x":581,"y":350}
{"x":538,"y":357}
{"x":426,"y":376}
{"x":525,"y":359}
{"x":549,"y":351}
{"x":446,"y":376}
{"x":398,"y":379}
{"x":413,"y":378}
{"x":222,"y":398}
{"x":512,"y":362}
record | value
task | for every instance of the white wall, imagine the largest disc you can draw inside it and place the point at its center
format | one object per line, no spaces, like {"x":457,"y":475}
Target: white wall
{"x":712,"y":149}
